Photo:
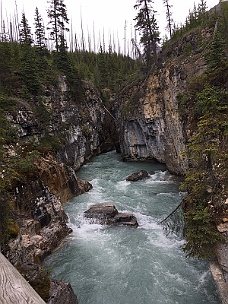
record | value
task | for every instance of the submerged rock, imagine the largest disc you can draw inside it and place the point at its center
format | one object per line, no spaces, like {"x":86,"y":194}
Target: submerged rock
{"x":138,"y":176}
{"x":107,"y":214}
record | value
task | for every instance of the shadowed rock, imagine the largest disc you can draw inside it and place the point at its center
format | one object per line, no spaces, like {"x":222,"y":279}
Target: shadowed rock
{"x":107,"y":214}
{"x":61,"y":292}
{"x":137,"y":176}
{"x":125,"y":219}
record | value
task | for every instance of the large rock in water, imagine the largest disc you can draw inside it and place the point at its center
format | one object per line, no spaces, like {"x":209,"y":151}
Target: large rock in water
{"x":62,"y":292}
{"x":137,"y":176}
{"x":107,"y":214}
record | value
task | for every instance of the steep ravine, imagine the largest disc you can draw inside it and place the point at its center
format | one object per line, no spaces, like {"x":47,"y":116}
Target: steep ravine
{"x":149,"y":125}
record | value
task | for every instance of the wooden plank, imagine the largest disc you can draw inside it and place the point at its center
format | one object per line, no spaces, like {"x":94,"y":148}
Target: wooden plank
{"x":14,"y":288}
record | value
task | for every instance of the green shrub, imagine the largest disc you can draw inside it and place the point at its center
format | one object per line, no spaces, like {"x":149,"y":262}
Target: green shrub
{"x":201,"y":233}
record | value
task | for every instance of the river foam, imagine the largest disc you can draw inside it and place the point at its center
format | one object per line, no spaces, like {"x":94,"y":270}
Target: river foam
{"x":113,"y":265}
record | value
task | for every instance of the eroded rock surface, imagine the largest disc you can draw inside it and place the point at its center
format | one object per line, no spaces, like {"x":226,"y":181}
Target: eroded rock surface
{"x":138,"y":176}
{"x":107,"y":214}
{"x":61,"y":292}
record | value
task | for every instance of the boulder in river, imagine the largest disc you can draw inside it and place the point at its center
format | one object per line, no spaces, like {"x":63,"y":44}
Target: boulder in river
{"x":141,"y":174}
{"x":62,"y":292}
{"x":107,"y":214}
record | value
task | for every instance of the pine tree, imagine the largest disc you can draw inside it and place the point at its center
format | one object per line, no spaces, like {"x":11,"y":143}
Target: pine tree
{"x":5,"y":68}
{"x":29,"y":68}
{"x":40,"y":40}
{"x":223,"y":22}
{"x":146,"y":24}
{"x":216,"y":57}
{"x":168,"y":16}
{"x":30,"y":71}
{"x":207,"y":174}
{"x":25,"y":31}
{"x":202,"y":11}
{"x":67,"y":67}
{"x":40,"y":44}
{"x":57,"y":14}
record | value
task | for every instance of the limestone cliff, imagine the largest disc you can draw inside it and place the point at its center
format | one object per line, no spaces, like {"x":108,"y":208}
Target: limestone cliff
{"x":149,"y":116}
{"x":154,"y":130}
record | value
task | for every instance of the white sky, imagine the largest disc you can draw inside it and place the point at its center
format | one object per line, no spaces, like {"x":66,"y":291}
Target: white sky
{"x":108,"y":16}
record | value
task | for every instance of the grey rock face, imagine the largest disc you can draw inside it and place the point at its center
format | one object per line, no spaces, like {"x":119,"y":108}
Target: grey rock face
{"x":150,"y":125}
{"x":61,"y":292}
{"x":154,"y":133}
{"x":137,"y":176}
{"x":38,"y":238}
{"x":107,"y":214}
{"x":101,"y":212}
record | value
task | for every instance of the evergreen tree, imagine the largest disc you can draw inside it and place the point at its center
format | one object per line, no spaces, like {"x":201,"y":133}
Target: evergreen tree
{"x":30,"y":71}
{"x":67,"y":67}
{"x":146,"y":24}
{"x":168,"y":16}
{"x":223,"y":22}
{"x":10,"y":79}
{"x":29,"y":68}
{"x":202,"y":11}
{"x":5,"y":68}
{"x":25,"y":31}
{"x":207,"y":174}
{"x":57,"y":14}
{"x":40,"y":40}
{"x":216,"y":57}
{"x":40,"y":44}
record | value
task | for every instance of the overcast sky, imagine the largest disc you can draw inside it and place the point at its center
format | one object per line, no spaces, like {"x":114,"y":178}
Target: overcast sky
{"x":108,"y":16}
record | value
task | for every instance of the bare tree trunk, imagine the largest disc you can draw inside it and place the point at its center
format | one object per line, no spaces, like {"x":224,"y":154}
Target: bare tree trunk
{"x":82,"y":36}
{"x":94,"y":39}
{"x":89,"y":40}
{"x":125,"y":38}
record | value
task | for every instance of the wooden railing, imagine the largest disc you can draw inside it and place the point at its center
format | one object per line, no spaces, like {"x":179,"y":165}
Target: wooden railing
{"x":14,"y":289}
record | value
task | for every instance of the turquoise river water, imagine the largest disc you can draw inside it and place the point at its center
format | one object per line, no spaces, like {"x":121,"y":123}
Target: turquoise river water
{"x":123,"y":265}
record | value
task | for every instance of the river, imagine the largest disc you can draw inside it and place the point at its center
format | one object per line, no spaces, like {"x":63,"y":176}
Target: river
{"x":116,"y":265}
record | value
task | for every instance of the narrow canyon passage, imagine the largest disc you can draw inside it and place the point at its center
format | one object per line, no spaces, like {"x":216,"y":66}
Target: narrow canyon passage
{"x":113,"y":265}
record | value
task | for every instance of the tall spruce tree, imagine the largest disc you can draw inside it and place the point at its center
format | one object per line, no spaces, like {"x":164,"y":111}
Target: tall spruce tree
{"x":58,"y":19}
{"x":25,"y":31}
{"x":202,"y":11}
{"x":216,"y":57}
{"x":29,"y":68}
{"x":65,"y":64}
{"x":168,"y":16}
{"x":146,"y":24}
{"x":40,"y":40}
{"x":40,"y":45}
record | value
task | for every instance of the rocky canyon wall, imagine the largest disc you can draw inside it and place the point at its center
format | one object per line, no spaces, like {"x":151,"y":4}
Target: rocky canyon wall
{"x":149,"y":116}
{"x":78,"y":130}
{"x":51,"y":139}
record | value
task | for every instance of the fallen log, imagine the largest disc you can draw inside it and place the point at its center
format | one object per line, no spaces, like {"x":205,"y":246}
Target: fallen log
{"x":13,"y":287}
